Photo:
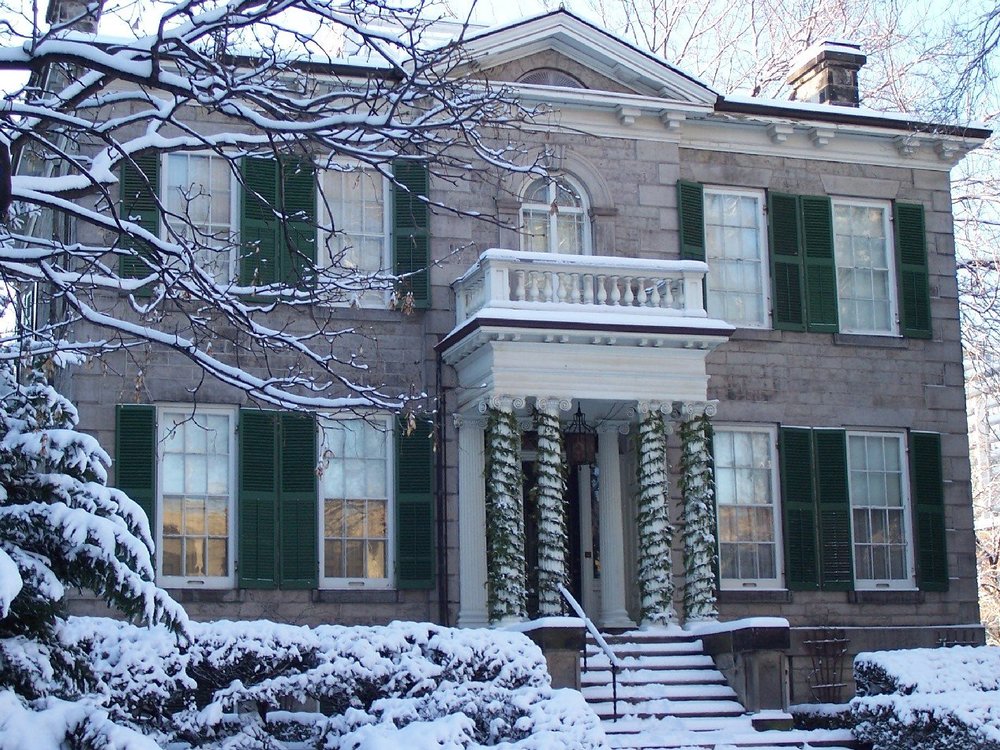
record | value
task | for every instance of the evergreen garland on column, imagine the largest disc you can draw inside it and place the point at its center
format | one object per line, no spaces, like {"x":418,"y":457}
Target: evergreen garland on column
{"x":697,"y":489}
{"x":550,"y":500}
{"x":656,"y":587}
{"x":504,"y":517}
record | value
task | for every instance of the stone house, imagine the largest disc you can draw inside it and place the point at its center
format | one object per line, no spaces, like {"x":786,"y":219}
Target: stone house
{"x":786,"y":268}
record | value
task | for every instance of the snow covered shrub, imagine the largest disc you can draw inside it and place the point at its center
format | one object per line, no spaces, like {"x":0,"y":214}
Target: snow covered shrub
{"x":403,"y":684}
{"x":822,"y":716}
{"x":928,"y":699}
{"x":928,"y":670}
{"x":941,"y":721}
{"x":62,"y":527}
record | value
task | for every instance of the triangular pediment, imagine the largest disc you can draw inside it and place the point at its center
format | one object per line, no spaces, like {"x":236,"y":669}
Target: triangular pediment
{"x":601,"y":61}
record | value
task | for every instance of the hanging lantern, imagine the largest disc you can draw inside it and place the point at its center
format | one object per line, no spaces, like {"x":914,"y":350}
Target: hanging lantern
{"x":581,"y":441}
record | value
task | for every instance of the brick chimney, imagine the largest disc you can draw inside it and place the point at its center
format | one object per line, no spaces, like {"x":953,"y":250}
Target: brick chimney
{"x":827,"y":73}
{"x":81,"y":15}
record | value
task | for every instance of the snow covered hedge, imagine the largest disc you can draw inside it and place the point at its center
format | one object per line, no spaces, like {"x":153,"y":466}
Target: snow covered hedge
{"x":928,"y":699}
{"x":249,"y":684}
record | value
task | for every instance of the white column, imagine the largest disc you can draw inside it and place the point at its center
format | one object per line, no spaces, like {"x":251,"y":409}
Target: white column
{"x":471,"y":523}
{"x":609,"y":501}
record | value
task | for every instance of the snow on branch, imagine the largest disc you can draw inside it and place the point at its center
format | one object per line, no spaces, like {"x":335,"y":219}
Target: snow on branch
{"x":241,"y":263}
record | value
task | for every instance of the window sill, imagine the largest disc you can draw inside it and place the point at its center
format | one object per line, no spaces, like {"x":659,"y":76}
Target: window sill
{"x":754,"y":596}
{"x":888,"y":341}
{"x":886,"y":596}
{"x":209,"y":596}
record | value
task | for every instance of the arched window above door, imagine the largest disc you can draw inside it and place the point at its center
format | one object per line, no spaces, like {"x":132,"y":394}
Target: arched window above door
{"x":555,"y":217}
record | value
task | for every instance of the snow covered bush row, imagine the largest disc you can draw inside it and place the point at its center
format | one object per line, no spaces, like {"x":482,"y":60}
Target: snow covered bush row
{"x":931,"y":721}
{"x":928,"y":670}
{"x":928,"y":699}
{"x":402,"y":685}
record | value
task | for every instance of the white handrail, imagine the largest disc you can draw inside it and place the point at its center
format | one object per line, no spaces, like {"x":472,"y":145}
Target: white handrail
{"x":616,"y":665}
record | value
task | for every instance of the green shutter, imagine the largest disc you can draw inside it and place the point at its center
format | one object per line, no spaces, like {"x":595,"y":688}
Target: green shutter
{"x":836,"y":553}
{"x":135,"y":456}
{"x":258,"y":500}
{"x":928,"y":511}
{"x":691,"y":215}
{"x":798,"y":509}
{"x":914,"y":275}
{"x":820,"y":266}
{"x":415,"y":506}
{"x":410,"y":229}
{"x":297,"y":505}
{"x":298,"y":202}
{"x":259,"y":227}
{"x":786,"y":262}
{"x":138,"y":188}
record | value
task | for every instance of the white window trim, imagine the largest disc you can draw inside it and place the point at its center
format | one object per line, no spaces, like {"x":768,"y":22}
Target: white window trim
{"x":588,"y":247}
{"x":875,"y":584}
{"x":235,"y":217}
{"x":890,"y":241}
{"x":200,"y":582}
{"x":759,"y":584}
{"x":378,"y":299}
{"x":390,"y":511}
{"x":765,"y":250}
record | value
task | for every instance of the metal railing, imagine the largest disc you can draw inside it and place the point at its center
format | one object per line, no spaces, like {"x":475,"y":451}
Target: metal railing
{"x":616,"y":665}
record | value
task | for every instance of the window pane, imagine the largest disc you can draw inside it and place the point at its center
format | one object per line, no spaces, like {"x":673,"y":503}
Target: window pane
{"x":196,"y":495}
{"x":353,"y":209}
{"x":735,"y":258}
{"x":876,"y":488}
{"x":355,"y":504}
{"x":862,"y":258}
{"x":745,"y":502}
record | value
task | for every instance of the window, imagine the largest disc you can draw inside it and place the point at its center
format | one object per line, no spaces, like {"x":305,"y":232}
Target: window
{"x":842,"y":266}
{"x":856,"y":515}
{"x":354,"y":493}
{"x":200,"y":204}
{"x":746,"y":482}
{"x":734,"y":246}
{"x":280,"y":500}
{"x":879,"y":510}
{"x":354,"y":208}
{"x":554,"y":218}
{"x":272,"y":252}
{"x":865,"y":280}
{"x":196,"y":496}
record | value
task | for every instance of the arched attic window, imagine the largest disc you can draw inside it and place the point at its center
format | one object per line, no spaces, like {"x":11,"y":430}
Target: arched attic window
{"x":550,"y":77}
{"x":555,"y":217}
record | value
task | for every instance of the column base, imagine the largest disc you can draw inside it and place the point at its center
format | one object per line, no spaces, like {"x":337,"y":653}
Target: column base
{"x":617,"y":620}
{"x":473,"y":620}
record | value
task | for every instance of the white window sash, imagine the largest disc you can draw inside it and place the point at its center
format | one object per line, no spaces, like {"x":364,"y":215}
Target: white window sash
{"x":332,"y":582}
{"x":752,"y":584}
{"x":868,"y":584}
{"x":234,"y":207}
{"x":552,"y":240}
{"x":374,"y":298}
{"x":765,"y":269}
{"x":163,"y":428}
{"x":890,"y":251}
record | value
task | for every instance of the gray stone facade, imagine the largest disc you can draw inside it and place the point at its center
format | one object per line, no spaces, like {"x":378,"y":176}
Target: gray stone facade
{"x":759,"y":377}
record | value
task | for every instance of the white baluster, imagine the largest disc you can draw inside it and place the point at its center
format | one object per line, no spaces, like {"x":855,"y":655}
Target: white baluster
{"x":629,"y":296}
{"x":641,"y":289}
{"x":616,"y":294}
{"x":654,"y":293}
{"x":602,"y":290}
{"x":668,"y":293}
{"x":519,"y":286}
{"x":574,"y":289}
{"x":588,"y":288}
{"x":562,"y":288}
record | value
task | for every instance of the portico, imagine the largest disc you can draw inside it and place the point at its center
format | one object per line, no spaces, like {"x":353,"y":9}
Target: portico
{"x":537,"y":337}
